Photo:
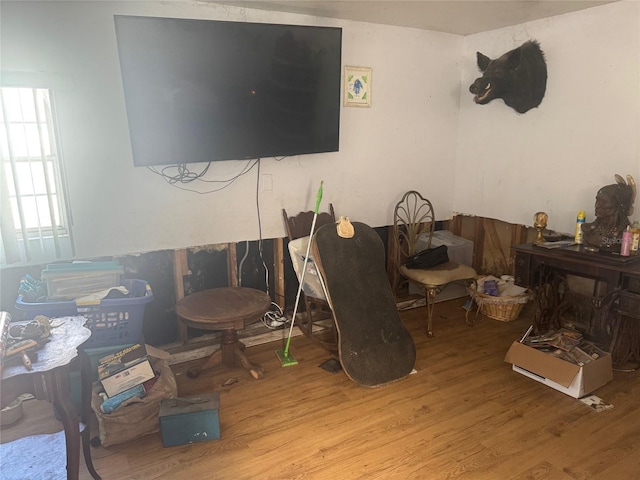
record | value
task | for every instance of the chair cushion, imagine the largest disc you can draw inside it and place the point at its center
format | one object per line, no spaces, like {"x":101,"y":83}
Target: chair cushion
{"x":439,"y":275}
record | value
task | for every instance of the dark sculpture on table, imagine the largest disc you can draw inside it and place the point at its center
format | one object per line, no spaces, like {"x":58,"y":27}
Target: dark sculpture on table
{"x":614,"y":204}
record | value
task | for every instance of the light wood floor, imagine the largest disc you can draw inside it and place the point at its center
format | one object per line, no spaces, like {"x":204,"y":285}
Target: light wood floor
{"x":464,"y":415}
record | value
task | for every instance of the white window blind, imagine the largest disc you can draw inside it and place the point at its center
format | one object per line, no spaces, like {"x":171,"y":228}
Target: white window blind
{"x":35,"y":223}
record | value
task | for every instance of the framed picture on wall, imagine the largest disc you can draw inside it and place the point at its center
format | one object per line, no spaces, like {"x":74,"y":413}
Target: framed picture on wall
{"x":357,"y":87}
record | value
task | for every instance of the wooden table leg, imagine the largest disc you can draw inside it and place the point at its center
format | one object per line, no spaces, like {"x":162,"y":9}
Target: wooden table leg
{"x":228,"y":345}
{"x":57,"y":384}
{"x":255,"y":370}
{"x":231,"y":352}
{"x":214,"y":360}
{"x":86,"y":380}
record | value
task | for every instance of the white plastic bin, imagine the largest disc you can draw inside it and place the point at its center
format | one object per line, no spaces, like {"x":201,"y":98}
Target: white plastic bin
{"x":311,"y":285}
{"x":459,"y":250}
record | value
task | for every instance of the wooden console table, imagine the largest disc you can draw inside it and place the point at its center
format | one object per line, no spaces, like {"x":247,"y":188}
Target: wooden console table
{"x":599,"y":292}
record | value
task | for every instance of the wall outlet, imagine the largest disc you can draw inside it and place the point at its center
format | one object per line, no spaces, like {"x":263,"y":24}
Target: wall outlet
{"x":267,"y":182}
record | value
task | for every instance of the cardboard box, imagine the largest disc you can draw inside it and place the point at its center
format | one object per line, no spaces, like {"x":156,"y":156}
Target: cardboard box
{"x":124,"y":369}
{"x":569,"y":378}
{"x":128,"y":378}
{"x":190,"y":420}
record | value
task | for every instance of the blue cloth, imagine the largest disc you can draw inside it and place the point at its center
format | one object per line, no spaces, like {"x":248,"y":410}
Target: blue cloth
{"x":32,"y":290}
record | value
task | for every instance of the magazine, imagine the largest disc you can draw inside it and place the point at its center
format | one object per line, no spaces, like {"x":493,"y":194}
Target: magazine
{"x":563,"y":339}
{"x":567,"y":344}
{"x":558,"y":244}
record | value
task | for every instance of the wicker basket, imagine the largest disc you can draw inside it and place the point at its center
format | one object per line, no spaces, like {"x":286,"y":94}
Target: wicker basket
{"x":504,"y":309}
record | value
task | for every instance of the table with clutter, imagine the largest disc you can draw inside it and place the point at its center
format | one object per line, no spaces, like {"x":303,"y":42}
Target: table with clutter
{"x":44,"y":371}
{"x":610,"y":309}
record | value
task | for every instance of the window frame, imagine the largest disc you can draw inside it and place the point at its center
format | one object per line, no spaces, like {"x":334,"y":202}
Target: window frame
{"x":51,"y":238}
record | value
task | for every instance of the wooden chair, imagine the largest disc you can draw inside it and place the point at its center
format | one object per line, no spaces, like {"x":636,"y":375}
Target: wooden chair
{"x":413,"y":227}
{"x":316,"y":309}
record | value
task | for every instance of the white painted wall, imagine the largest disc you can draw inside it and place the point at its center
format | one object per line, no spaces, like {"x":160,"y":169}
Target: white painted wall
{"x":587,"y":128}
{"x":405,"y":140}
{"x":422,"y":132}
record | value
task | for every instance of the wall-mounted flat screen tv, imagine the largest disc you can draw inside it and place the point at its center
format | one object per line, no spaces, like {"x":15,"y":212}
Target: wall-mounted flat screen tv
{"x":205,"y":90}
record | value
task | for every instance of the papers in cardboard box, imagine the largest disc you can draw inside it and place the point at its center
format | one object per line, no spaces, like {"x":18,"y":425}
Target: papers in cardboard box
{"x":569,"y":378}
{"x":566,"y":344}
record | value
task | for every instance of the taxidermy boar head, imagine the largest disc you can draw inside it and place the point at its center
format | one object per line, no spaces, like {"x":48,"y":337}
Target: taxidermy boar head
{"x":519,"y":77}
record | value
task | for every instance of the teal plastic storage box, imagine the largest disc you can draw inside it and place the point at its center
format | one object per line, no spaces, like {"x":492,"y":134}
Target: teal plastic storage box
{"x":112,"y":321}
{"x":68,"y":281}
{"x":190,"y":420}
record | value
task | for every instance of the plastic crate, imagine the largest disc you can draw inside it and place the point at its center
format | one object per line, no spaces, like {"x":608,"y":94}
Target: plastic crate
{"x":67,"y":281}
{"x":111,"y":321}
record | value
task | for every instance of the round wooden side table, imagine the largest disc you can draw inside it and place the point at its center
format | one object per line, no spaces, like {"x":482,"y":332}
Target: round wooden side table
{"x":227,"y":309}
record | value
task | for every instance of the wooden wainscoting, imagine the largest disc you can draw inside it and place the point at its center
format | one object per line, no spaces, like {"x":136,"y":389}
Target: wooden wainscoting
{"x":492,"y":242}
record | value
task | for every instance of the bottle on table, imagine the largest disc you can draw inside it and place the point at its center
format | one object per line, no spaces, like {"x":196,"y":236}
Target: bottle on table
{"x":635,"y":238}
{"x":625,"y":247}
{"x":582,"y":216}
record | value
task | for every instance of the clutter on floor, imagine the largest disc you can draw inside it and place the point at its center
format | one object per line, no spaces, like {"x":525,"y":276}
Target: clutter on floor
{"x":125,"y":370}
{"x":596,"y":403}
{"x":562,"y":360}
{"x":500,"y":298}
{"x":134,"y":416}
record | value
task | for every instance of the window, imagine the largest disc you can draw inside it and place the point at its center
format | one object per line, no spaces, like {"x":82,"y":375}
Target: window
{"x":35,"y":223}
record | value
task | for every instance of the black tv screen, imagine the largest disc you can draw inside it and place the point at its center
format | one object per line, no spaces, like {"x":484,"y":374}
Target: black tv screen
{"x":205,"y":90}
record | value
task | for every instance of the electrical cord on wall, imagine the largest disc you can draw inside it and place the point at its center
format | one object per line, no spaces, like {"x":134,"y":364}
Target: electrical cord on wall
{"x":182,"y":175}
{"x":266,"y":270}
{"x":274,"y":318}
{"x":175,"y":175}
{"x":244,"y":257}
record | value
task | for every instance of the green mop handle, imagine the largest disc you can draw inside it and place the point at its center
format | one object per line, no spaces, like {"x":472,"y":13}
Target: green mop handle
{"x":304,"y":268}
{"x":318,"y":199}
